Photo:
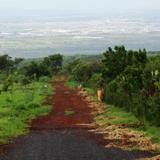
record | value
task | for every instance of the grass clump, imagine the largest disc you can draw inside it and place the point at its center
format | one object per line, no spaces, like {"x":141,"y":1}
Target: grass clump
{"x":69,"y":112}
{"x":72,"y":84}
{"x":151,"y":131}
{"x":19,"y":105}
{"x":119,"y":116}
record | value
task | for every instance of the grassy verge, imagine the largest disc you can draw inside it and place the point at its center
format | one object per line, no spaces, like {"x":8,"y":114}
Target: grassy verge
{"x":72,"y":84}
{"x":116,"y":115}
{"x":19,"y":105}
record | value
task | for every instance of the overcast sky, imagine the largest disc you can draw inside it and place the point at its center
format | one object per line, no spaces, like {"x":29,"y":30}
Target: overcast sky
{"x":82,"y":4}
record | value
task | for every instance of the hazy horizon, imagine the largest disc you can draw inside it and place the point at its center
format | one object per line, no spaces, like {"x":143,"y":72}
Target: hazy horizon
{"x":38,"y":28}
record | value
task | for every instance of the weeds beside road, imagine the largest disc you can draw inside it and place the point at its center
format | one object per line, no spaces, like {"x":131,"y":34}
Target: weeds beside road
{"x":20,"y":105}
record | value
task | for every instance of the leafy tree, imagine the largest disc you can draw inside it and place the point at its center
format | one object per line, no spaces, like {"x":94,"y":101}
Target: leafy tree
{"x":54,"y":62}
{"x":6,"y":63}
{"x":114,"y":62}
{"x":24,"y":81}
{"x":71,"y":65}
{"x":17,"y":61}
{"x":96,"y":80}
{"x":83,"y":71}
{"x":35,"y":70}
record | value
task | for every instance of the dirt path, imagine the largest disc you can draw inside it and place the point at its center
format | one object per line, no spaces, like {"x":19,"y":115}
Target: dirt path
{"x":64,"y":133}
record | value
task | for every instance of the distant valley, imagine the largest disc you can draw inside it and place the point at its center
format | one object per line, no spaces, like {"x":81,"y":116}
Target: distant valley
{"x":77,"y":35}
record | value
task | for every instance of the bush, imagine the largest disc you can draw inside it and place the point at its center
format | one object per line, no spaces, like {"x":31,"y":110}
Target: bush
{"x":54,"y":63}
{"x":7,"y":83}
{"x":33,"y":105}
{"x":137,"y":88}
{"x":96,"y":80}
{"x":35,"y":70}
{"x":21,"y":107}
{"x":24,"y":81}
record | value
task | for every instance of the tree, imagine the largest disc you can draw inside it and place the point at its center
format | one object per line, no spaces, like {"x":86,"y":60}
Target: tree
{"x":54,"y":62}
{"x":35,"y":70}
{"x":17,"y":61}
{"x":71,"y":65}
{"x":114,"y":62}
{"x":6,"y":63}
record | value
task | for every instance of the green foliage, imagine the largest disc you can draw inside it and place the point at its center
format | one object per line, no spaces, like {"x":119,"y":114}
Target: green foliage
{"x":21,"y":95}
{"x":24,"y":81}
{"x":44,"y":79}
{"x":36,"y":70}
{"x":19,"y":106}
{"x":118,"y":116}
{"x":7,"y":83}
{"x":82,"y":71}
{"x":115,"y":61}
{"x":131,"y":80}
{"x":72,"y":84}
{"x":96,"y":80}
{"x":6,"y":63}
{"x":54,"y":62}
{"x":136,"y":88}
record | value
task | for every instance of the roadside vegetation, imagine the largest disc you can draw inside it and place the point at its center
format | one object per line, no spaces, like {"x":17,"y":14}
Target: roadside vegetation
{"x":23,"y":92}
{"x":131,"y":81}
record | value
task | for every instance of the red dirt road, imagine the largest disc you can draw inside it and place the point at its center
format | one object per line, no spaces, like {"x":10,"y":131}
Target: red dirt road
{"x":64,"y":99}
{"x":59,"y":136}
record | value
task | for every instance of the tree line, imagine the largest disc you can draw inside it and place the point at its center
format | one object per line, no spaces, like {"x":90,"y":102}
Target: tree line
{"x":130,"y":78}
{"x":11,"y":70}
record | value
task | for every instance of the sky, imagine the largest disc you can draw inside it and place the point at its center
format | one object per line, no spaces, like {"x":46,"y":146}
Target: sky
{"x":82,"y":4}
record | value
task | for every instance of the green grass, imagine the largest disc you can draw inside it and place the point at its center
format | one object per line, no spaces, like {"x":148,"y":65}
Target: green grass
{"x":151,"y":131}
{"x":90,"y":91}
{"x":128,"y":118}
{"x":72,"y":84}
{"x":69,"y":112}
{"x":20,"y":105}
{"x":119,"y":116}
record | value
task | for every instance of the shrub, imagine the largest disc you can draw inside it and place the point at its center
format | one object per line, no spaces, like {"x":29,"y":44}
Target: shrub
{"x":33,"y":105}
{"x":24,"y":81}
{"x":96,"y":80}
{"x":35,"y":70}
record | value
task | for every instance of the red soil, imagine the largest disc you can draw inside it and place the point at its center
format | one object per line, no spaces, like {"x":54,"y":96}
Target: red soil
{"x":64,"y":99}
